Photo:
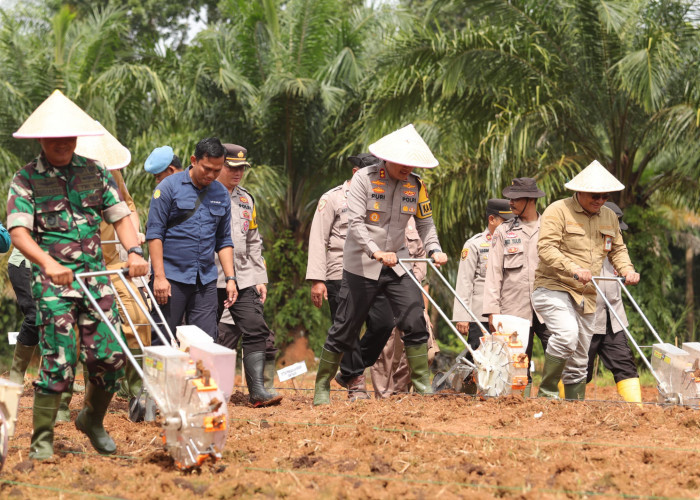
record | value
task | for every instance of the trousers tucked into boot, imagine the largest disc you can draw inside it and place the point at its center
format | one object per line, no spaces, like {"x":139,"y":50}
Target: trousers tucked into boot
{"x":63,"y":414}
{"x":90,"y":419}
{"x":551,"y":374}
{"x":417,"y":357}
{"x":254,"y":363}
{"x":327,"y":368}
{"x":44,"y":417}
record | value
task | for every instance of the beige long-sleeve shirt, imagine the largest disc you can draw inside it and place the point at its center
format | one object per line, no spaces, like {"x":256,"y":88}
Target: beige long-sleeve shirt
{"x":611,"y":290}
{"x":248,"y":261}
{"x":510,"y":276}
{"x":571,"y":238}
{"x":471,"y":277}
{"x":379,"y":209}
{"x":327,"y":236}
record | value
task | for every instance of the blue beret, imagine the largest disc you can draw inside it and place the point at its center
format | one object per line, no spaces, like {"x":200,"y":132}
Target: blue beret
{"x":159,"y":159}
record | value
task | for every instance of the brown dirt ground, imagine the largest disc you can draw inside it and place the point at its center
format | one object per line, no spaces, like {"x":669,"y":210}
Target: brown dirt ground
{"x":405,"y":447}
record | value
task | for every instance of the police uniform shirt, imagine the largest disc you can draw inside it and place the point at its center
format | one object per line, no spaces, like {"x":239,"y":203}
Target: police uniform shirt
{"x":188,"y":247}
{"x":248,"y":261}
{"x":613,"y":293}
{"x":471,"y":277}
{"x":510,"y":275}
{"x":327,"y":236}
{"x":379,"y":209}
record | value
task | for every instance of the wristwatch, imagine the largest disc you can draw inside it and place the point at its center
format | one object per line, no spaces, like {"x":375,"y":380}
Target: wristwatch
{"x":231,"y":278}
{"x":136,"y":250}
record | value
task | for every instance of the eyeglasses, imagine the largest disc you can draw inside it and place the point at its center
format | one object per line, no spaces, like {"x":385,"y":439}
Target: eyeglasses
{"x":600,"y":196}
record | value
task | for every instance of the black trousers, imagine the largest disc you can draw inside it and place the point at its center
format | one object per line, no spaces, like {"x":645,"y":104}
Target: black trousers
{"x":474,"y":337}
{"x":250,"y":325}
{"x":539,"y":329}
{"x":614,"y":352}
{"x":366,"y":351}
{"x":21,"y":280}
{"x":197,"y":302}
{"x":356,"y":297}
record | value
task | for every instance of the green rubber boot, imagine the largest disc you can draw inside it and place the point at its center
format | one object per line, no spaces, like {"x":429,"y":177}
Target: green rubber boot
{"x":417,"y":356}
{"x":90,"y":419}
{"x":551,"y":374}
{"x":527,"y":392}
{"x":327,"y":368}
{"x":270,"y":376}
{"x":20,"y":362}
{"x":575,"y":391}
{"x":44,"y":417}
{"x":63,"y":414}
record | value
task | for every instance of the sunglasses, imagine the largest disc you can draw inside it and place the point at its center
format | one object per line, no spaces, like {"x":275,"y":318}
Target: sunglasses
{"x":600,"y":196}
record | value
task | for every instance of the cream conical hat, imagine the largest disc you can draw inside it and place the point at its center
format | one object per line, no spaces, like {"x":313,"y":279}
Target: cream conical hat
{"x":595,"y":178}
{"x":405,"y":147}
{"x":58,"y":116}
{"x":104,"y":148}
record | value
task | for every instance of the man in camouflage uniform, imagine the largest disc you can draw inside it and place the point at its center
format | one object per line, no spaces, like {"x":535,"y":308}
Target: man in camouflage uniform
{"x":55,"y":206}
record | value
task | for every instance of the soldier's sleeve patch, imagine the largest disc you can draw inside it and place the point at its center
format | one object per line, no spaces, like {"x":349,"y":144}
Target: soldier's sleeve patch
{"x":465,"y":253}
{"x":424,"y":208}
{"x":156,"y":194}
{"x":254,"y":220}
{"x":321,"y":204}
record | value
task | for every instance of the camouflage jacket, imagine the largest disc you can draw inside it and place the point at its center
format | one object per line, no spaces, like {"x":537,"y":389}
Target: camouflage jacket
{"x":63,"y":208}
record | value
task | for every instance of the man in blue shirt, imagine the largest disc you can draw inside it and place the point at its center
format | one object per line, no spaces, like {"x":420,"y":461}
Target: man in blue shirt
{"x":188,"y":221}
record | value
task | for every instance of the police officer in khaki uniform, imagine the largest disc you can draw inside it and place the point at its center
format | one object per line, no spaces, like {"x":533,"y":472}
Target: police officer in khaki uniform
{"x":513,"y":260}
{"x":576,"y":236}
{"x":250,"y":277}
{"x":325,"y":270}
{"x":381,"y":201}
{"x":472,"y":273}
{"x":609,"y":341}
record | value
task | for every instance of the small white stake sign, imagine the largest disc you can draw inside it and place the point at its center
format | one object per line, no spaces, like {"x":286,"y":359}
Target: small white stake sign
{"x":292,"y":371}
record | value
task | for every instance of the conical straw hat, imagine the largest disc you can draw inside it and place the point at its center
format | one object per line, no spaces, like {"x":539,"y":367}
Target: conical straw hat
{"x":104,"y":148}
{"x":58,"y":116}
{"x":595,"y":178}
{"x":405,"y":147}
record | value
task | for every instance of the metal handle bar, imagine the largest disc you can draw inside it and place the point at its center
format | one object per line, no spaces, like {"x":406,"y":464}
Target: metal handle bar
{"x":621,"y":281}
{"x":431,"y":263}
{"x":80,"y":278}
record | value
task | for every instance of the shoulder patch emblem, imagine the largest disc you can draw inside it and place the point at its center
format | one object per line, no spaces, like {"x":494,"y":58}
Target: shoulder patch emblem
{"x":244,"y":199}
{"x":156,"y":194}
{"x":321,"y":204}
{"x":465,"y":253}
{"x":374,"y":217}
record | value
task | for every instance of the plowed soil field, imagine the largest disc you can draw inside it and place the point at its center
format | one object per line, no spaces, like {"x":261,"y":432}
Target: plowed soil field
{"x":447,"y":446}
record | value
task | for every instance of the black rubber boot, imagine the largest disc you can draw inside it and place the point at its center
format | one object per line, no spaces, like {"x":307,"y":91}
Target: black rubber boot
{"x":417,"y":356}
{"x":551,"y":374}
{"x":254,"y":363}
{"x":269,"y":376}
{"x":44,"y":417}
{"x":20,"y":362}
{"x":90,"y":419}
{"x":575,"y":391}
{"x":327,"y":368}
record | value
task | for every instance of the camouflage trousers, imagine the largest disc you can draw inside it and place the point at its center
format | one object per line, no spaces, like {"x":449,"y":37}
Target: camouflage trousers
{"x":93,"y":343}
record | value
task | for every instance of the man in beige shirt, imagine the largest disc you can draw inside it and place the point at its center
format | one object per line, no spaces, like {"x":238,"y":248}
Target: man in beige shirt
{"x":471,"y":275}
{"x":576,"y":235}
{"x":381,"y":201}
{"x":325,"y":270}
{"x":250,"y":276}
{"x":511,"y":274}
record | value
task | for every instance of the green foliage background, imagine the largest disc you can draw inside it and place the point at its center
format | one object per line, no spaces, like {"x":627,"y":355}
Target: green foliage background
{"x":498,"y":88}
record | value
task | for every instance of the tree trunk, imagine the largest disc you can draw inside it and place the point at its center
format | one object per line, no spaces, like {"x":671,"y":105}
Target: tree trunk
{"x":689,"y":293}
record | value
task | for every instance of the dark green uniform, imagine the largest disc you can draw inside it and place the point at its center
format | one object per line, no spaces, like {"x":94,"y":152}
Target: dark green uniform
{"x":62,"y":208}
